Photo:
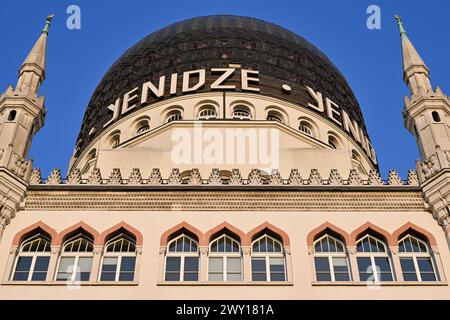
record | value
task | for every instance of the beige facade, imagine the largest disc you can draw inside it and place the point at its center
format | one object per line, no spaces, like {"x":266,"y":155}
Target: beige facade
{"x":308,"y":218}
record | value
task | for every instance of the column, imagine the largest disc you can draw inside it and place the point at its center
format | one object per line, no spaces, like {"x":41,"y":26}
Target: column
{"x":10,"y":263}
{"x":353,"y":263}
{"x":203,"y":267}
{"x":161,"y":263}
{"x":53,"y":263}
{"x":138,"y":263}
{"x":96,"y":263}
{"x":289,"y":270}
{"x":398,"y":275}
{"x":247,"y":262}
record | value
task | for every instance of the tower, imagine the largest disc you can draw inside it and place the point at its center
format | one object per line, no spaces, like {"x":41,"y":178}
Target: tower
{"x":427,"y":116}
{"x":22,"y":114}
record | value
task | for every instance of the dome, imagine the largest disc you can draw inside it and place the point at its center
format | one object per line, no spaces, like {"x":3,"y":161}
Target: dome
{"x":281,"y":57}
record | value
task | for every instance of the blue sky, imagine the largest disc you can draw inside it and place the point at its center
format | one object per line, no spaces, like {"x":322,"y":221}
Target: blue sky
{"x":369,"y":59}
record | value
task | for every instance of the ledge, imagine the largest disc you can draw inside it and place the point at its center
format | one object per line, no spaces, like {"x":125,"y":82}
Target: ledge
{"x":383,"y":283}
{"x":226,"y":283}
{"x":64,"y":283}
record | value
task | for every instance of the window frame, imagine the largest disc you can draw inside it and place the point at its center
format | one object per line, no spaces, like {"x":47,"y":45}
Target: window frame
{"x":330,"y":255}
{"x":225,"y":255}
{"x":206,"y":109}
{"x":76,"y":255}
{"x":372,"y":256}
{"x":182,"y":255}
{"x":118,"y":255}
{"x":267,"y":256}
{"x":415,"y":256}
{"x":34,"y":255}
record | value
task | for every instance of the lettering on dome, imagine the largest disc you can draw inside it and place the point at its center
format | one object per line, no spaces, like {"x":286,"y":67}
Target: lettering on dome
{"x":226,"y":79}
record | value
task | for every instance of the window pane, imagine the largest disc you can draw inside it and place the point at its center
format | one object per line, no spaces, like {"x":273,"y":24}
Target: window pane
{"x":259,"y":277}
{"x":172,"y":276}
{"x":342,"y":277}
{"x":41,"y":263}
{"x":366,"y":246}
{"x":84,"y":264}
{"x":323,"y":276}
{"x":109,"y":264}
{"x":234,"y":277}
{"x":410,"y":276}
{"x":215,"y":264}
{"x":39,"y":276}
{"x":228,"y":245}
{"x":364,"y":264}
{"x":270,"y":245}
{"x":415,"y":245}
{"x":259,"y":264}
{"x":428,"y":276}
{"x":340,"y":264}
{"x":332,"y":244}
{"x":322,"y":264}
{"x":24,"y":264}
{"x":191,"y":276}
{"x":126,"y":276}
{"x":65,"y":268}
{"x":277,"y":277}
{"x":425,"y":265}
{"x":386,"y":277}
{"x":407,"y":265}
{"x":191,"y":264}
{"x":128,"y":264}
{"x":173,"y":264}
{"x":383,"y":264}
{"x":108,"y":276}
{"x":215,"y":277}
{"x":221,"y":245}
{"x":276,"y":264}
{"x":363,"y":276}
{"x":233,"y":264}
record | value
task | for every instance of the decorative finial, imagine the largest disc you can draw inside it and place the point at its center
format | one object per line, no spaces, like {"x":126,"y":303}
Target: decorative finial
{"x":400,"y":24}
{"x":47,"y":23}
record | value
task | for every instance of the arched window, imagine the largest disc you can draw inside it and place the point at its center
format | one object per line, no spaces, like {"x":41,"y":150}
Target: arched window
{"x":119,"y":259}
{"x":330,"y":259}
{"x":273,"y":115}
{"x":174,"y":115}
{"x":241,"y":113}
{"x":373,"y":260}
{"x":12,"y":115}
{"x":306,"y":128}
{"x":415,"y":259}
{"x":268,"y":259}
{"x":333,"y":142}
{"x":115,"y":140}
{"x":225,"y":263}
{"x":75,"y":263}
{"x":182,"y":259}
{"x":207,"y":113}
{"x":436,"y":116}
{"x":32,"y":261}
{"x":142,"y":127}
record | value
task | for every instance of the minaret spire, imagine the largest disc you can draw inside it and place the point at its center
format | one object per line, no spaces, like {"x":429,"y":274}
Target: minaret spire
{"x":415,"y":73}
{"x":32,"y":71}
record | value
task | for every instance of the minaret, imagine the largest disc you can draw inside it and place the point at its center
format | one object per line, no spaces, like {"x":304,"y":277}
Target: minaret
{"x":22,"y":114}
{"x":427,"y":116}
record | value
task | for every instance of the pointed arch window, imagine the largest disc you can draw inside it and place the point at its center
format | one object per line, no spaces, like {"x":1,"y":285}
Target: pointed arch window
{"x":33,"y":259}
{"x":330,"y":259}
{"x":268,"y":261}
{"x":182,"y":259}
{"x":416,"y":260}
{"x":225,"y":261}
{"x":119,"y":259}
{"x":75,"y":263}
{"x":374,"y":263}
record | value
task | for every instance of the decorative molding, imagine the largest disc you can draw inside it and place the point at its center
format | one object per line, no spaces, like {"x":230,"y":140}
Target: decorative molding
{"x":55,"y":177}
{"x":116,"y":177}
{"x":232,"y":200}
{"x":36,"y":177}
{"x":135,"y":177}
{"x":255,"y":178}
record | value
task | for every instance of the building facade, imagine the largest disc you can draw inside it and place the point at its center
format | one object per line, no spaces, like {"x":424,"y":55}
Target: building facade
{"x":224,"y":157}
